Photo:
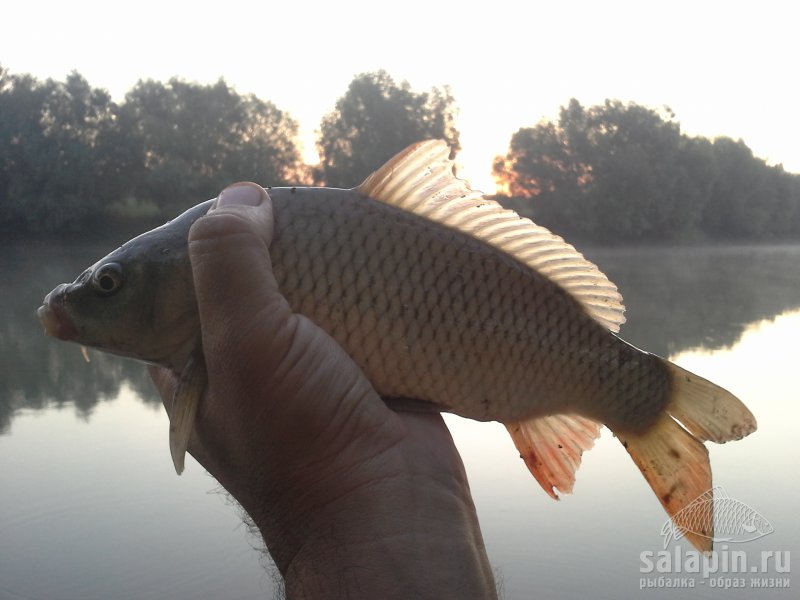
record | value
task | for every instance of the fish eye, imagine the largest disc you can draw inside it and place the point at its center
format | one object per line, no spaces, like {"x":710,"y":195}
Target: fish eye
{"x":108,"y":279}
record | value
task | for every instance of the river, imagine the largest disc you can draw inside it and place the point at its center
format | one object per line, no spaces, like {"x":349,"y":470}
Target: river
{"x":90,"y":507}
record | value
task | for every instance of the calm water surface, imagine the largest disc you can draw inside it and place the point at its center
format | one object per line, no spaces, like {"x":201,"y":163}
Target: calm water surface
{"x":90,"y":507}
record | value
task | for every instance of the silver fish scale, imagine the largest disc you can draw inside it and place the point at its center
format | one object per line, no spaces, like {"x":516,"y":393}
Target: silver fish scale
{"x":430,"y":313}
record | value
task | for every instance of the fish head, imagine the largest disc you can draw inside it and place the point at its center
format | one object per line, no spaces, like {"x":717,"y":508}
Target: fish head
{"x":138,"y":301}
{"x":759,"y":525}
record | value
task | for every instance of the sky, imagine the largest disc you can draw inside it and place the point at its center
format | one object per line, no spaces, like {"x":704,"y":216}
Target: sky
{"x":725,"y":68}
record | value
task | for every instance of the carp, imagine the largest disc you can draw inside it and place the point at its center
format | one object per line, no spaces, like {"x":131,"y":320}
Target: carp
{"x":442,"y":297}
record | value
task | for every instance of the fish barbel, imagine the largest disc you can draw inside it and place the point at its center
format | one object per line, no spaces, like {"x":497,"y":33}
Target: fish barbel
{"x":441,"y":296}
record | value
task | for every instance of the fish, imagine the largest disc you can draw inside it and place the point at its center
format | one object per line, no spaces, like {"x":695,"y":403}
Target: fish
{"x":442,"y":297}
{"x":734,"y":521}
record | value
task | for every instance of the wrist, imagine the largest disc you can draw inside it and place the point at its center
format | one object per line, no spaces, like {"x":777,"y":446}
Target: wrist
{"x":387,"y":515}
{"x":395,"y":538}
{"x":369,"y":550}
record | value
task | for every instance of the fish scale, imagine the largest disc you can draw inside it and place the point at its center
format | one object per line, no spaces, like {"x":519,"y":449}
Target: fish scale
{"x":436,"y":316}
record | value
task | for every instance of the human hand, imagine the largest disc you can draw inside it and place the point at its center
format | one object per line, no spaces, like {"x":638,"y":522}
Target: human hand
{"x":351,"y":498}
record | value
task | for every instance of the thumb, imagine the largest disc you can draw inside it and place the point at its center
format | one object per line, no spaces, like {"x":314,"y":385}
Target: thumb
{"x":279,"y":386}
{"x":237,"y":295}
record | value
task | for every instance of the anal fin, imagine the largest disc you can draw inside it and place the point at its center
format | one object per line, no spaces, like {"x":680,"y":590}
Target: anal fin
{"x":552,"y":447}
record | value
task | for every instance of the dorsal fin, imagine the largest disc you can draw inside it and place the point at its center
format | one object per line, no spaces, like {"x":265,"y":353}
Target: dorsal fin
{"x":420,"y":179}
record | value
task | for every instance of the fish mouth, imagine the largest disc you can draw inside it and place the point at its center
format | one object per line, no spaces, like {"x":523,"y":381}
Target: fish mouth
{"x":54,"y":318}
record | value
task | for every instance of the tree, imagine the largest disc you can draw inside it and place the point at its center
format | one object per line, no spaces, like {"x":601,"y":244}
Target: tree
{"x":614,"y":171}
{"x":641,"y":190}
{"x":67,"y":152}
{"x":375,"y":119}
{"x":738,"y":204}
{"x":784,"y":213}
{"x":197,"y":138}
{"x":49,"y":134}
{"x":548,"y":162}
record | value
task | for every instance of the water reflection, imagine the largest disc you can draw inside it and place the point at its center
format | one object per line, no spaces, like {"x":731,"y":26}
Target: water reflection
{"x":677,"y":298}
{"x":681,"y":298}
{"x":94,"y":510}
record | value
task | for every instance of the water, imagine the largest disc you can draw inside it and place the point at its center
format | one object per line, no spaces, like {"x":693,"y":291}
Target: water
{"x":90,"y":507}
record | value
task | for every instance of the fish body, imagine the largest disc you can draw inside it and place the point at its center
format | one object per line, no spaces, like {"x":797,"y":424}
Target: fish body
{"x":431,"y":313}
{"x":440,"y":296}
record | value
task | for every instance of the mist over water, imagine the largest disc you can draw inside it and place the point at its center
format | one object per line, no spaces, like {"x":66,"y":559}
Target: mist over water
{"x":90,"y":506}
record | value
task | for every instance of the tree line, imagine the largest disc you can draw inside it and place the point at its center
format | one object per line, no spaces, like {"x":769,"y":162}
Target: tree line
{"x":625,"y":172}
{"x":70,"y":156}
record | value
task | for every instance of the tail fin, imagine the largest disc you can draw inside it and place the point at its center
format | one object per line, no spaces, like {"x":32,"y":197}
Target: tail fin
{"x":706,"y":410}
{"x":673,"y":460}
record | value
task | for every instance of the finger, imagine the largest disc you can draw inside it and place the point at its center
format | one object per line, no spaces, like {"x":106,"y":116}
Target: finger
{"x":257,"y":350}
{"x":237,"y":295}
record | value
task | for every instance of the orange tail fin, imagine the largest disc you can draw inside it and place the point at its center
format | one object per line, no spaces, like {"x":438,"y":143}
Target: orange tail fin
{"x":672,"y":457}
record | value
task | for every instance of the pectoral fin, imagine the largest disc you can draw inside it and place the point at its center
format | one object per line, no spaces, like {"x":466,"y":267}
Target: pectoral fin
{"x":191,"y":386}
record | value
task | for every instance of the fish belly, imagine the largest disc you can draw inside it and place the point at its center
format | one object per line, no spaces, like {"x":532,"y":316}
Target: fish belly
{"x":430,"y":313}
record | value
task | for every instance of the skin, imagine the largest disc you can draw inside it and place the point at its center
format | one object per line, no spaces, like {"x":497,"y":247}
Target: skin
{"x":352,"y":499}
